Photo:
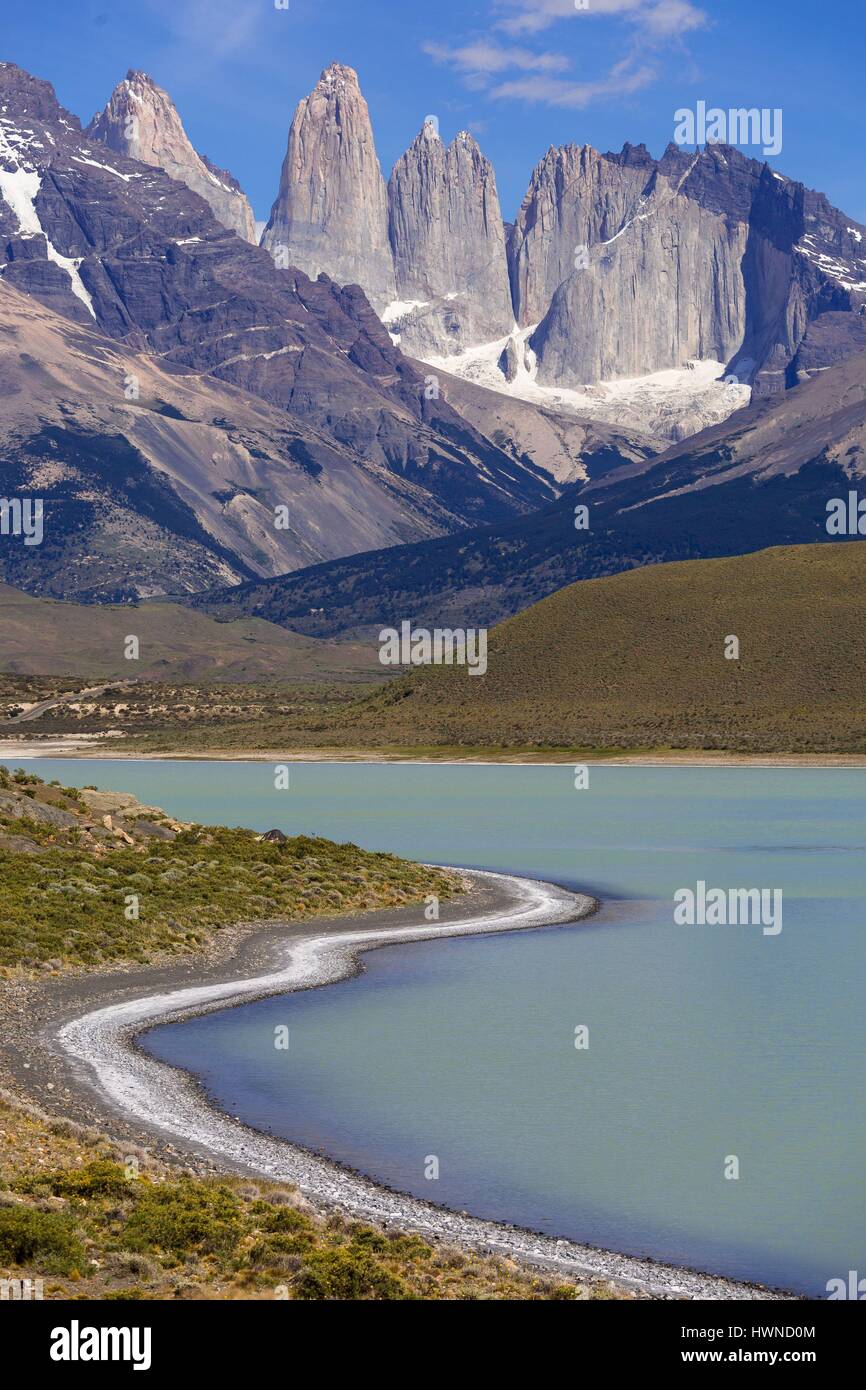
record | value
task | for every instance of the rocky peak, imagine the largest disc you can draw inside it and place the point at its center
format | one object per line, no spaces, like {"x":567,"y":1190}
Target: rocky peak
{"x":331,"y":211}
{"x":338,"y":77}
{"x":142,"y":122}
{"x":31,"y":97}
{"x":576,"y":198}
{"x":448,"y":240}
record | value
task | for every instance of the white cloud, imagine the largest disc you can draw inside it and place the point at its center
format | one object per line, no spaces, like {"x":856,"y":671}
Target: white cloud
{"x":670,"y":18}
{"x":483,"y":59}
{"x":660,"y":18}
{"x":622,"y":80}
{"x":651,"y":26}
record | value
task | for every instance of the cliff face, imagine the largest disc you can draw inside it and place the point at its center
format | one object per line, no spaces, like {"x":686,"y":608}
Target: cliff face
{"x":622,"y":265}
{"x":664,"y":288}
{"x":576,"y":198}
{"x":448,"y":242}
{"x":331,"y":212}
{"x":630,"y":265}
{"x":141,"y":122}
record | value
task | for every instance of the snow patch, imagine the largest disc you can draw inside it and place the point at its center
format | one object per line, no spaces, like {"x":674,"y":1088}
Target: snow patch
{"x":19,"y":189}
{"x":71,"y":265}
{"x":670,"y":404}
{"x":401,"y":308}
{"x":82,"y":159}
{"x":837,"y":270}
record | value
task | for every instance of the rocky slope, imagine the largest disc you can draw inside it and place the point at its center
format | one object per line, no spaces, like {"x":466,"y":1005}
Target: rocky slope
{"x":571,"y":448}
{"x":764,"y":478}
{"x":287,"y":371}
{"x":331,"y":212}
{"x":448,"y":242}
{"x":141,"y":121}
{"x":156,"y":483}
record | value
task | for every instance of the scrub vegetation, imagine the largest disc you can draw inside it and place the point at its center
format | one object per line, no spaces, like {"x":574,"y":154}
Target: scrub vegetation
{"x":83,"y":888}
{"x":635,"y":662}
{"x":93,"y":1222}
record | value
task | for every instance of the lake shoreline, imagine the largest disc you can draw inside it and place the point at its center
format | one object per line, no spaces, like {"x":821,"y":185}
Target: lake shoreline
{"x":89,"y":1021}
{"x":88,"y":748}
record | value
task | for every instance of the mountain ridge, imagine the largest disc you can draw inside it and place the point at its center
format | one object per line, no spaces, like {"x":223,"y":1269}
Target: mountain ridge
{"x":762,"y":478}
{"x":618,"y":265}
{"x":120,"y":249}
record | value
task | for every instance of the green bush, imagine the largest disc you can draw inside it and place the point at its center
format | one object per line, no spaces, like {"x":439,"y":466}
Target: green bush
{"x":347,"y":1273}
{"x":45,"y":1240}
{"x":280,"y":1220}
{"x":182,"y":1217}
{"x":101,"y":1178}
{"x":272,"y":1252}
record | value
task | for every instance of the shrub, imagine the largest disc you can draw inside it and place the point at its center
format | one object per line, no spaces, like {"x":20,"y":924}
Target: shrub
{"x":347,"y":1273}
{"x":271,"y":1252}
{"x":101,"y":1178}
{"x":45,"y":1239}
{"x":280,"y":1220}
{"x":182,"y":1217}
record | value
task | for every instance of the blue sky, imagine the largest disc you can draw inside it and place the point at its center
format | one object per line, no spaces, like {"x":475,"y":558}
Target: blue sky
{"x":521,"y":74}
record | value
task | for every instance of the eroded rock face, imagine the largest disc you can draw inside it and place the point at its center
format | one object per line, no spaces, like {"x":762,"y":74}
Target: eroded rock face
{"x":576,"y":198}
{"x":141,"y":121}
{"x":666,"y":291}
{"x":331,"y":212}
{"x":622,"y":265}
{"x":630,"y":265}
{"x":448,"y":241}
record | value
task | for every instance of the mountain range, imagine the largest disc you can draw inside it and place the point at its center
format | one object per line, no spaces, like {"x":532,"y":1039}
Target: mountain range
{"x":243,"y":427}
{"x":763,"y":478}
{"x":225,"y":386}
{"x":616,"y":266}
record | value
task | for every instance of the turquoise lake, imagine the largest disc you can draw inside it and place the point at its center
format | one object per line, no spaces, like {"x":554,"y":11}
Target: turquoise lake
{"x":706,"y":1043}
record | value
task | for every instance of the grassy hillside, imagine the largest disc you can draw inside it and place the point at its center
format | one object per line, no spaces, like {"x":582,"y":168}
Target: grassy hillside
{"x":632,"y":661}
{"x":639,"y":660}
{"x":71,"y":860}
{"x":44,"y":637}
